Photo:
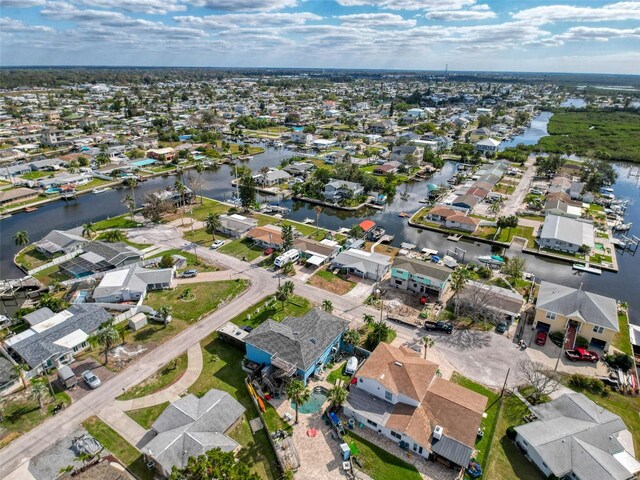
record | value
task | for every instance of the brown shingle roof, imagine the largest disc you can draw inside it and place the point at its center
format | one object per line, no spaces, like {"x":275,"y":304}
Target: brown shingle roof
{"x":266,"y":234}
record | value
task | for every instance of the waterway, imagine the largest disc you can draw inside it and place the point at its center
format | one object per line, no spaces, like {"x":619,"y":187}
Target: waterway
{"x":623,"y":285}
{"x":574,"y":103}
{"x":533,"y":133}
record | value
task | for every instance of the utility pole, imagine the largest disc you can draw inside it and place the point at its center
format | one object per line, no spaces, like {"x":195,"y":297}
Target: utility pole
{"x":505,"y":382}
{"x":564,"y":341}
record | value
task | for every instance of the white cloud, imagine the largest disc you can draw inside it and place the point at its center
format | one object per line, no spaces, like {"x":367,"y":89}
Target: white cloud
{"x":245,"y":5}
{"x":429,"y":5}
{"x":596,"y":34}
{"x":22,"y":3}
{"x":11,"y":25}
{"x":567,"y":13}
{"x":239,"y":20}
{"x":376,"y":20}
{"x":477,"y":12}
{"x":150,"y":7}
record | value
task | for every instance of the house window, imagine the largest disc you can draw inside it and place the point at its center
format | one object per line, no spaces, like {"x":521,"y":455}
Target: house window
{"x":551,"y":316}
{"x":597,"y":329}
{"x":388,"y":396}
{"x":398,"y":282}
{"x":372,"y":423}
{"x":396,"y":435}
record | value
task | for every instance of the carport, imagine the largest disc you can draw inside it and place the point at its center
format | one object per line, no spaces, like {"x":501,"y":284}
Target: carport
{"x":316,"y":260}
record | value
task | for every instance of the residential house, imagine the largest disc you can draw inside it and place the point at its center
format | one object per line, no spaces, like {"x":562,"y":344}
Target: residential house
{"x":369,"y":265}
{"x":53,"y":338}
{"x":299,"y":169}
{"x":59,"y":242}
{"x":52,"y":137}
{"x":488,"y":145}
{"x":65,"y":179}
{"x":575,"y":190}
{"x":383,"y":127}
{"x":46,"y":164}
{"x":297,"y":346}
{"x":301,"y":138}
{"x":388,"y":167}
{"x":576,"y":312}
{"x":316,"y":252}
{"x":337,"y":156}
{"x":490,"y":301}
{"x":407,"y":154}
{"x":337,"y":190}
{"x":166,"y":153}
{"x":236,"y":225}
{"x":575,"y":438}
{"x":267,"y":236}
{"x":453,"y":218}
{"x":561,"y":204}
{"x":9,"y":171}
{"x":418,"y":276}
{"x":272,"y":177}
{"x":100,"y":256}
{"x":416,"y":112}
{"x":19,"y":194}
{"x":191,"y":426}
{"x":566,"y":234}
{"x":400,"y":396}
{"x":130,"y":284}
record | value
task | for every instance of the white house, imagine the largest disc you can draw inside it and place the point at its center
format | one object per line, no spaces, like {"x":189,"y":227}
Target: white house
{"x":565,"y":233}
{"x":129,"y":284}
{"x":487,"y":145}
{"x":301,"y":137}
{"x":337,"y":190}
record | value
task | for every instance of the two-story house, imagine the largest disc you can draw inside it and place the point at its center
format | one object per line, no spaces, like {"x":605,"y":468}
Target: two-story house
{"x":407,"y":154}
{"x":398,"y":395}
{"x":301,"y":138}
{"x":565,"y":233}
{"x":418,"y":276}
{"x":488,"y":145}
{"x":576,"y":312}
{"x":337,"y":190}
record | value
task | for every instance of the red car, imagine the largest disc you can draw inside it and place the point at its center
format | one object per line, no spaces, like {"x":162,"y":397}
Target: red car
{"x":541,"y":338}
{"x":268,"y":251}
{"x":581,"y":355}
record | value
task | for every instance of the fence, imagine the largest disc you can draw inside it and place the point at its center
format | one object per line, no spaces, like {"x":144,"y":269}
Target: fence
{"x":54,"y":262}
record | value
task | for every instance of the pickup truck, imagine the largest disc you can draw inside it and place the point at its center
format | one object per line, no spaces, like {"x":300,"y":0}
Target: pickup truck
{"x":581,"y":355}
{"x":438,"y":327}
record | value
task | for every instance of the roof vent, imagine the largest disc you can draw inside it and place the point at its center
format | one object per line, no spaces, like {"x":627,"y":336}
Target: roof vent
{"x":398,"y":364}
{"x":313,"y":340}
{"x":437,"y":432}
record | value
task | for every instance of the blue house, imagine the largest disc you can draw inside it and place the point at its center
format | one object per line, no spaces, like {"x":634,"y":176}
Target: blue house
{"x":418,"y":276}
{"x":297,"y":345}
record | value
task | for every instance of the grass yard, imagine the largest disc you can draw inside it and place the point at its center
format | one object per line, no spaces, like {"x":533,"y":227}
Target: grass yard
{"x":205,"y":297}
{"x":222,"y":370}
{"x":241,"y":248}
{"x":36,"y":175}
{"x":617,"y":133}
{"x":201,"y":237}
{"x":489,"y":422}
{"x":146,"y":416}
{"x":21,"y":413}
{"x":51,"y":275}
{"x":621,"y":339}
{"x":32,"y":258}
{"x":330,"y":282}
{"x":122,"y":221}
{"x":269,"y":307}
{"x":139,"y":246}
{"x":192,"y":261}
{"x":338,"y":374}
{"x":119,"y":447}
{"x":379,"y":463}
{"x":507,"y":234}
{"x":164,"y":377}
{"x":208,"y":206}
{"x":96,"y":182}
{"x":506,"y":461}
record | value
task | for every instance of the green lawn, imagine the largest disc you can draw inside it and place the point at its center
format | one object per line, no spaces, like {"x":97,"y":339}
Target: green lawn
{"x":122,"y":221}
{"x":36,"y":175}
{"x":146,"y":416}
{"x":338,"y":374}
{"x":119,"y":447}
{"x":51,"y":275}
{"x":621,"y":339}
{"x":20,"y":414}
{"x":274,"y":421}
{"x":96,"y":182}
{"x":192,"y":261}
{"x":208,"y":206}
{"x":380,"y":464}
{"x":242,"y":248}
{"x":506,"y":461}
{"x":139,"y":246}
{"x":489,"y":422}
{"x":269,"y":307}
{"x":32,"y":258}
{"x":164,"y":377}
{"x":507,"y":234}
{"x":204,"y":298}
{"x":222,"y":370}
{"x":201,"y":237}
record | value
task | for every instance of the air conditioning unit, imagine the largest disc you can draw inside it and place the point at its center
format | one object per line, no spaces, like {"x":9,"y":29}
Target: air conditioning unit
{"x":437,"y":432}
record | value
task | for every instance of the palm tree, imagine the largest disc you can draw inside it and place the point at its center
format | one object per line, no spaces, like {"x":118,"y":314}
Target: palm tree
{"x":181,"y":189}
{"x":427,"y":341}
{"x":337,"y":395}
{"x":327,"y":305}
{"x":164,"y":312}
{"x":113,"y":236}
{"x":19,"y":369}
{"x":298,"y":393}
{"x":107,"y":335}
{"x":318,"y":210}
{"x":21,"y":238}
{"x":199,"y":170}
{"x":351,"y":337}
{"x":457,"y":281}
{"x":130,"y":203}
{"x":132,"y":182}
{"x":38,"y":391}
{"x":368,"y":319}
{"x":213,"y":223}
{"x":88,"y":229}
{"x":284,"y":292}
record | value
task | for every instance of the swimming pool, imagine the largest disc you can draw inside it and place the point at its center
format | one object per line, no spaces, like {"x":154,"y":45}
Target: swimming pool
{"x":599,"y":247}
{"x":315,"y":402}
{"x":144,"y":162}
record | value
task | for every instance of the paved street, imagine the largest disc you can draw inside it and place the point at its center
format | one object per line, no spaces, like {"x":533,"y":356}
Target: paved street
{"x":515,"y":199}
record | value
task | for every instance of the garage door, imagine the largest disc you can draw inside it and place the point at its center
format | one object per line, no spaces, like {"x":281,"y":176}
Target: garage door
{"x":597,"y":343}
{"x":543,"y":327}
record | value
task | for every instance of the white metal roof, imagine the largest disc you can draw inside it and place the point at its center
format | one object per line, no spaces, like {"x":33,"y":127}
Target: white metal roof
{"x":57,"y":319}
{"x":316,"y":260}
{"x":74,"y":338}
{"x":115,"y":278}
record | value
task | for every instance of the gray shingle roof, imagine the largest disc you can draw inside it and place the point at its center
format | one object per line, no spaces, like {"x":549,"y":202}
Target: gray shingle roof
{"x":58,"y":240}
{"x":569,"y":230}
{"x":419,"y":267}
{"x":191,"y":426}
{"x":136,"y":280}
{"x":114,"y":253}
{"x":298,"y":340}
{"x":570,"y":302}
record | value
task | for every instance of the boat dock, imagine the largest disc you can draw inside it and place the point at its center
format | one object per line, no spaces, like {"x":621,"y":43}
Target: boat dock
{"x":454,"y":238}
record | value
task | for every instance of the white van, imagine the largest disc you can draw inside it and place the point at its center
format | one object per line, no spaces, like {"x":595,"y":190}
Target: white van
{"x":287,"y":257}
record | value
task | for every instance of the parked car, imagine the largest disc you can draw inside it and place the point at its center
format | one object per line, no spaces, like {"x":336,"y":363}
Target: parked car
{"x":610,"y":382}
{"x":189,"y":274}
{"x":446,"y":327}
{"x":581,"y":355}
{"x":90,"y":378}
{"x":269,"y":251}
{"x":541,"y":338}
{"x":156,"y":317}
{"x":216,"y":244}
{"x":501,"y":327}
{"x":537,"y":191}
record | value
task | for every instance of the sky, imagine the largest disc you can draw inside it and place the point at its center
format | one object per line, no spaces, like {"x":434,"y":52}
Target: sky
{"x":583,"y":36}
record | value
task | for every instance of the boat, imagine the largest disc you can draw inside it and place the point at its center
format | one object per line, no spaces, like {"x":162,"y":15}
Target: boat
{"x":404,"y":215}
{"x":474,"y":470}
{"x":616,"y":242}
{"x":449,"y":262}
{"x":352,"y":366}
{"x":491,"y":260}
{"x":606,"y":189}
{"x":584,"y":267}
{"x":30,"y":209}
{"x":377,"y":233}
{"x":5,"y":216}
{"x":308,"y":220}
{"x":98,"y":190}
{"x":423,"y":200}
{"x":623,"y":227}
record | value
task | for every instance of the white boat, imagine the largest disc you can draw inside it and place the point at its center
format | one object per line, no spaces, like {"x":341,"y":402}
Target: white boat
{"x":5,"y":216}
{"x":584,"y":267}
{"x":308,"y":220}
{"x":449,"y":262}
{"x":623,"y":227}
{"x":606,"y":189}
{"x":100,"y":190}
{"x":491,"y":260}
{"x":352,"y":366}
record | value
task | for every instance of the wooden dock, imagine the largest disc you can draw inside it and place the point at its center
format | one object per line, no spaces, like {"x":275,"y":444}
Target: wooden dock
{"x":454,"y":237}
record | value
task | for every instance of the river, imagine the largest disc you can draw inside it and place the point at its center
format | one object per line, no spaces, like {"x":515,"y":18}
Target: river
{"x":216,"y":184}
{"x":533,"y":133}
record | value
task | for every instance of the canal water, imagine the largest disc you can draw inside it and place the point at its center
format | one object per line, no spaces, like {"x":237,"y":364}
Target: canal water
{"x":574,"y":103}
{"x":533,"y":133}
{"x":624,"y":285}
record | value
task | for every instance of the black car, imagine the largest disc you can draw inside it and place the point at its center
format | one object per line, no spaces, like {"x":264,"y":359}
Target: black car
{"x":438,"y":327}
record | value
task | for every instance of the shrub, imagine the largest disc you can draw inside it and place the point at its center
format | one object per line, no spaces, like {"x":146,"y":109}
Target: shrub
{"x":620,"y":360}
{"x":590,"y":384}
{"x":556,"y":337}
{"x":582,"y":342}
{"x":166,"y":261}
{"x":511,"y":432}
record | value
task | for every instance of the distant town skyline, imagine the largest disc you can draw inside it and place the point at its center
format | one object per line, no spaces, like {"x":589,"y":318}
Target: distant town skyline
{"x":581,"y":36}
